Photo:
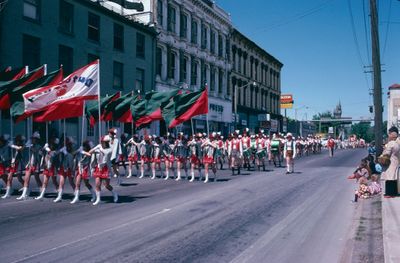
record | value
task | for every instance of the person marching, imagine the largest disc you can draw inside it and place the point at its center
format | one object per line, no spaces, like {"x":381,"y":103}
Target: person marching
{"x":289,"y":153}
{"x":83,"y":173}
{"x":180,"y":155}
{"x":66,"y":168}
{"x":123,"y":157}
{"x":220,"y":151}
{"x":33,"y":166}
{"x":51,"y":164}
{"x":208,"y":148}
{"x":103,"y":170}
{"x":116,"y":152}
{"x":246,"y":149}
{"x":145,"y":150}
{"x":156,"y":156}
{"x":261,"y":150}
{"x":168,"y":154}
{"x":133,"y":154}
{"x":5,"y":157}
{"x":275,"y":150}
{"x":331,"y":146}
{"x":236,"y":152}
{"x":195,"y":155}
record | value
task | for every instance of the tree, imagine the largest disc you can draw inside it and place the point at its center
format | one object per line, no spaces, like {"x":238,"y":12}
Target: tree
{"x":321,"y":115}
{"x":363,"y":130}
{"x":323,"y":126}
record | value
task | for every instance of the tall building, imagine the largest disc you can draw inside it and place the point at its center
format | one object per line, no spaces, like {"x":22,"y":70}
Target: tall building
{"x":193,"y":50}
{"x":74,"y":33}
{"x":256,"y":81}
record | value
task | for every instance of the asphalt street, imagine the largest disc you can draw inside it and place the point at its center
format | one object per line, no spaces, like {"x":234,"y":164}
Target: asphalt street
{"x":254,"y":217}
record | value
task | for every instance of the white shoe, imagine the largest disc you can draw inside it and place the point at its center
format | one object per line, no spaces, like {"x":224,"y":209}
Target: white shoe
{"x":141,"y":176}
{"x":115,"y":195}
{"x":167,"y":176}
{"x":59,"y":197}
{"x":76,"y":197}
{"x":129,"y":176}
{"x":93,"y":195}
{"x":8,"y":193}
{"x":178,"y":179}
{"x":24,"y":195}
{"x":97,"y":198}
{"x":115,"y":175}
{"x":41,"y":194}
{"x":153,"y":177}
{"x":206,"y":181}
{"x":192,"y":180}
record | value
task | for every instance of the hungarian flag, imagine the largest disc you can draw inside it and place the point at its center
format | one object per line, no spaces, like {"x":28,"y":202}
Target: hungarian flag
{"x":17,"y":111}
{"x":108,"y":113}
{"x":11,"y":74}
{"x":185,"y":106}
{"x":81,"y":85}
{"x":92,"y":107}
{"x":154,"y":100}
{"x":7,"y":87}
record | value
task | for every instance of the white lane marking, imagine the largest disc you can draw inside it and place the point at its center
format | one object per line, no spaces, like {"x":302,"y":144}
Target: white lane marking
{"x":93,"y":235}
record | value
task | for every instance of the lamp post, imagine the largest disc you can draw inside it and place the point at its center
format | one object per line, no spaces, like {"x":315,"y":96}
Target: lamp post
{"x":236,"y":100}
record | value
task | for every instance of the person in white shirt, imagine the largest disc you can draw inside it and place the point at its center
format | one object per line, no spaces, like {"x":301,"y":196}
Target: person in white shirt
{"x":289,"y":153}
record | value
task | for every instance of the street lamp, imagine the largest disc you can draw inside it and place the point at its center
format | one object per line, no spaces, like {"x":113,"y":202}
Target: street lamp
{"x":236,"y":100}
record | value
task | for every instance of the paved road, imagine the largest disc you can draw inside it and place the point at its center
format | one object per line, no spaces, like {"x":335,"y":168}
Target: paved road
{"x":254,"y":217}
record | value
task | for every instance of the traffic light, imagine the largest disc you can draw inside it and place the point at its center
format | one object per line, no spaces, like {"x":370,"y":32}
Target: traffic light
{"x":371,"y":109}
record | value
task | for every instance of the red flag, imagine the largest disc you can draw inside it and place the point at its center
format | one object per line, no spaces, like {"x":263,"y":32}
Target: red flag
{"x":67,"y":109}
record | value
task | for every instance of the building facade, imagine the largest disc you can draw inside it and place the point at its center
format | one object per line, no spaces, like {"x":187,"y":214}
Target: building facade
{"x":255,"y":79}
{"x":192,"y":51}
{"x":73,"y":33}
{"x":393,"y":104}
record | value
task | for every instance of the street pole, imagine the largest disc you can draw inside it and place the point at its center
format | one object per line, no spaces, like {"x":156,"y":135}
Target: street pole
{"x":236,"y":100}
{"x":376,"y":63}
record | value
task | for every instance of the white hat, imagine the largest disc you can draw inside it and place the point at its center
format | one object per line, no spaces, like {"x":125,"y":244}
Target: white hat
{"x":289,"y":134}
{"x":36,"y":135}
{"x":240,"y":136}
{"x":56,"y":140}
{"x":106,"y":138}
{"x":219,"y":133}
{"x":237,"y":131}
{"x":214,"y":134}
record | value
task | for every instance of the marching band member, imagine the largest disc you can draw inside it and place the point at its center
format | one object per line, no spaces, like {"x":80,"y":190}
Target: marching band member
{"x":168,"y":153}
{"x":208,"y":147}
{"x":5,"y":157}
{"x":116,"y":152}
{"x":123,"y":157}
{"x":220,"y":151}
{"x":236,"y":152}
{"x":246,"y":149}
{"x":102,"y":172}
{"x":145,"y":151}
{"x":180,"y":155}
{"x":156,"y":158}
{"x":16,"y":165}
{"x":195,"y":155}
{"x":33,"y":166}
{"x":275,"y":150}
{"x":260,"y":151}
{"x":289,"y":153}
{"x":83,"y":172}
{"x":51,"y":165}
{"x":133,"y":154}
{"x":66,"y":168}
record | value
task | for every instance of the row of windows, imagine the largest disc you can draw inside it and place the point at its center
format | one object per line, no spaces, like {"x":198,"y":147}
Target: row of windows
{"x":215,"y":38}
{"x":32,"y":9}
{"x":31,"y":56}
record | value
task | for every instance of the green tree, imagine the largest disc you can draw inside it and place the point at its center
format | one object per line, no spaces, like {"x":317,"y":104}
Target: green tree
{"x":363,"y":130}
{"x":323,"y":125}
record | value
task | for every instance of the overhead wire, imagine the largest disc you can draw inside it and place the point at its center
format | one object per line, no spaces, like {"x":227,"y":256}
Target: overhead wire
{"x":387,"y":30}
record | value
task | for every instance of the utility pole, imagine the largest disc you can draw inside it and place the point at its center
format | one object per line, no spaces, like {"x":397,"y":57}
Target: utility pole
{"x":376,"y":64}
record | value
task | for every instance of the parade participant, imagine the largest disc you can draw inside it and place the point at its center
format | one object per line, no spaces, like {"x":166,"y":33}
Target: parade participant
{"x":246,"y":149}
{"x":66,"y":170}
{"x":195,"y":150}
{"x":331,"y":146}
{"x":208,"y":148}
{"x":275,"y":150}
{"x":123,"y":157}
{"x":236,"y":152}
{"x":289,"y":153}
{"x":116,"y":152}
{"x":51,"y":165}
{"x":299,"y":148}
{"x":260,"y":151}
{"x":5,"y":156}
{"x":168,"y":154}
{"x":33,"y":166}
{"x":133,"y":154}
{"x":83,"y":172}
{"x":228,"y":145}
{"x":219,"y":153}
{"x":156,"y":157}
{"x":16,"y":165}
{"x":145,"y":150}
{"x":102,"y":172}
{"x":180,"y":155}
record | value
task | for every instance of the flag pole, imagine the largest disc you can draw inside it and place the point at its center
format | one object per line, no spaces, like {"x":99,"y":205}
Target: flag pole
{"x":65,"y":134}
{"x":208,"y":106}
{"x":83,"y":122}
{"x":46,"y":123}
{"x":191,"y":122}
{"x":98,"y":97}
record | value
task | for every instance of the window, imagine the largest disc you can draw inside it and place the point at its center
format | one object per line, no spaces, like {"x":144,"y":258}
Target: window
{"x":171,"y":65}
{"x":171,"y":19}
{"x":32,"y":9}
{"x":118,"y":75}
{"x":183,"y":68}
{"x":220,"y":46}
{"x":193,"y":73}
{"x":140,"y":44}
{"x":203,"y":74}
{"x":212,"y":42}
{"x":31,"y":51}
{"x":183,"y":25}
{"x":160,"y":16}
{"x":240,"y":63}
{"x":158,"y":61}
{"x":220,"y":80}
{"x":194,"y":32}
{"x":118,"y":37}
{"x":212,"y":78}
{"x":139,"y":84}
{"x":203,"y":36}
{"x":66,"y":58}
{"x":93,"y":27}
{"x":92,"y":57}
{"x":66,"y":17}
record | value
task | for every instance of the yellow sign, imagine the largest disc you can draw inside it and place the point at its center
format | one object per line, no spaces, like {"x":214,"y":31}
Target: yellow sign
{"x":286,"y":105}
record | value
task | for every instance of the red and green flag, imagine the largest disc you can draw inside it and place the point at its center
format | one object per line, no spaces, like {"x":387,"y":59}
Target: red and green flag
{"x":92,"y":107}
{"x":108,"y":113}
{"x":11,"y":74}
{"x":122,"y":111}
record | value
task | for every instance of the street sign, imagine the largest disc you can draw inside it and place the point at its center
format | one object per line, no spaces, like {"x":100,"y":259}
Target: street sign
{"x":330,"y":130}
{"x":287,"y":101}
{"x":286,"y":105}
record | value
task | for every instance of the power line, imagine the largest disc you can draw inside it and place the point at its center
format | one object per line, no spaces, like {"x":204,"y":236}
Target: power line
{"x":387,"y":30}
{"x":366,"y":32}
{"x":355,"y":34}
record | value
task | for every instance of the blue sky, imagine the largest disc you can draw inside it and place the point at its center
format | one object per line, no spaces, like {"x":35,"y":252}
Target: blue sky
{"x":314,"y":40}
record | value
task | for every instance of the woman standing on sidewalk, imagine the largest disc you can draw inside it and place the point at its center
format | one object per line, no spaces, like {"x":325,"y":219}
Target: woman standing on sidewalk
{"x":392,"y":151}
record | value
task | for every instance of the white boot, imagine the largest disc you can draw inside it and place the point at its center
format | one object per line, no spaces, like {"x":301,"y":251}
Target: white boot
{"x":129,"y":173}
{"x":59,"y":196}
{"x":154,"y":175}
{"x":115,"y":195}
{"x":41,"y":194}
{"x":97,"y":198}
{"x":179,"y":176}
{"x":76,"y":198}
{"x":141,"y":174}
{"x":166,"y":175}
{"x":206,"y":180}
{"x":192,"y":179}
{"x":24,"y":195}
{"x":93,"y":195}
{"x":8,"y":193}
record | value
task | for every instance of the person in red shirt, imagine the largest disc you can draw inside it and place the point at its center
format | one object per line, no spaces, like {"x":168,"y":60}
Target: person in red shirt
{"x":331,"y":146}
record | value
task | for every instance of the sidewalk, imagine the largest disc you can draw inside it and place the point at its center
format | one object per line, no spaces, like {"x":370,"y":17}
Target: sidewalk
{"x":391,"y":229}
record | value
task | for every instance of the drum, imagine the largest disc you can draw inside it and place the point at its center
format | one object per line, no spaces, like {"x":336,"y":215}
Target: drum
{"x":261,"y":154}
{"x":218,"y":153}
{"x":274,"y":146}
{"x":246,"y":153}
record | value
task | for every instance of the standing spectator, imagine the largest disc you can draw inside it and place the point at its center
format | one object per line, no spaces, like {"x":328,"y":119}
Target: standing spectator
{"x":331,"y":146}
